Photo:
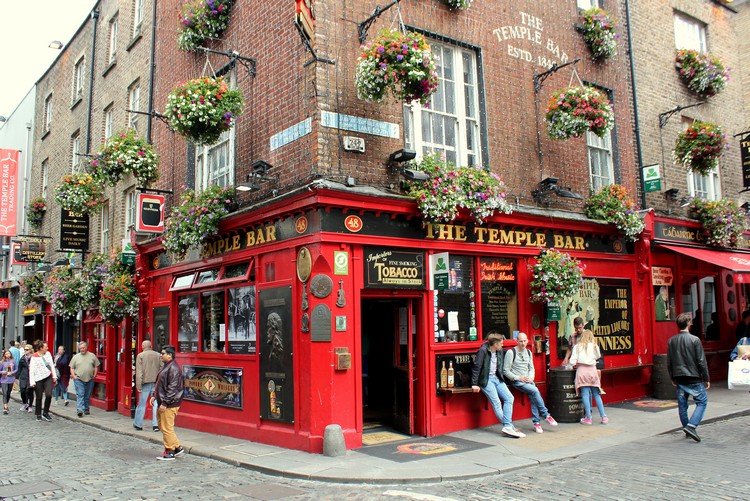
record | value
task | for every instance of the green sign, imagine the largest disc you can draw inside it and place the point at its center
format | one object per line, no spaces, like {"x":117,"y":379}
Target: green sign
{"x":651,"y":178}
{"x":127,"y":258}
{"x":553,"y":311}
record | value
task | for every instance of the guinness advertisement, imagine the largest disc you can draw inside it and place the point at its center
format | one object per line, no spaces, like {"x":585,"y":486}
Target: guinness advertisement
{"x":745,"y":158}
{"x":213,"y":385}
{"x":389,"y":269}
{"x":74,"y":231}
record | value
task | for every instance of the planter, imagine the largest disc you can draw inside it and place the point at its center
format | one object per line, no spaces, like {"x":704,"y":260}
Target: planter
{"x":201,"y":20}
{"x":79,"y":193}
{"x":722,"y":220}
{"x":700,"y":146}
{"x":614,"y":205}
{"x":126,"y":153}
{"x":555,"y":276}
{"x":35,"y":212}
{"x":458,"y":4}
{"x":599,"y":33}
{"x":573,"y":111}
{"x":702,"y":72}
{"x":62,"y":291}
{"x":118,"y":298}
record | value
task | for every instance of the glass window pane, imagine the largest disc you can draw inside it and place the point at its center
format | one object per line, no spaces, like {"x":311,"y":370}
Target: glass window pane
{"x":450,"y":131}
{"x":182,"y":282}
{"x":241,"y":333}
{"x":426,"y":128}
{"x":213,"y":323}
{"x":187,"y":323}
{"x":499,"y":294}
{"x":459,"y":316}
{"x":206,"y":277}
{"x":450,"y":97}
{"x":236,"y":270}
{"x":437,"y":129}
{"x":448,"y":63}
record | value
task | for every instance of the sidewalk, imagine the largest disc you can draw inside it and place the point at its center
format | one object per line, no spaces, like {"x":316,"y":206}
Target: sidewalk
{"x":499,"y":453}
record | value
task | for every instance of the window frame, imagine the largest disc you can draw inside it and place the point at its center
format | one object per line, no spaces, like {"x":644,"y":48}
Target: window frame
{"x":682,"y":20}
{"x":78,"y":79}
{"x":104,"y":233}
{"x":589,"y":4}
{"x":138,"y":12}
{"x":47,"y":124}
{"x":113,"y":28}
{"x":131,"y":202}
{"x":109,"y":121}
{"x":45,"y":177}
{"x":75,"y":146}
{"x":134,"y":104}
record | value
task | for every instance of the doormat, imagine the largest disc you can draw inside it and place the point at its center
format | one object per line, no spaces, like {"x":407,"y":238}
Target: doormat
{"x":646,"y":404}
{"x":374,"y":434}
{"x":425,"y":448}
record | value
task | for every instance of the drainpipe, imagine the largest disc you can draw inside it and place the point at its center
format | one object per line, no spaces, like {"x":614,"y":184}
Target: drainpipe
{"x":95,"y":17}
{"x":152,"y":75}
{"x":638,"y":149}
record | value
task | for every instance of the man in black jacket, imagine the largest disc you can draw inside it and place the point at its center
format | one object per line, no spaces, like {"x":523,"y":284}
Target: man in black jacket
{"x":686,"y":363}
{"x":170,"y":386}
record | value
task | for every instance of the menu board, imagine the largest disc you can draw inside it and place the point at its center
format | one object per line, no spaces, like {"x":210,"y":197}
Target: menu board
{"x":499,"y":295}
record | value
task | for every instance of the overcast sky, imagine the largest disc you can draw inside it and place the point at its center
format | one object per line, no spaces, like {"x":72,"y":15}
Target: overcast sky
{"x":28,"y":28}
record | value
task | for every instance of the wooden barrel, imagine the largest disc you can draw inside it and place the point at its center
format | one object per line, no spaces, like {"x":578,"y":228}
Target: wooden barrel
{"x":661,"y":383}
{"x":562,"y":401}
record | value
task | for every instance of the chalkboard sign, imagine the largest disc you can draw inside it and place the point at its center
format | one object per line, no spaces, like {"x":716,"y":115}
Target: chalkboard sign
{"x":499,"y":295}
{"x":462,"y":365}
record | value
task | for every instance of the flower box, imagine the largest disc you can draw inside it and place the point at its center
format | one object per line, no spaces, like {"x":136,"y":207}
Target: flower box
{"x":573,"y":111}
{"x":118,"y":298}
{"x":700,"y":146}
{"x":79,"y":193}
{"x":35,"y":212}
{"x":723,"y":221}
{"x":614,"y":205}
{"x":201,"y":20}
{"x":599,"y":33}
{"x":126,"y":153}
{"x":702,"y":72}
{"x":62,"y":291}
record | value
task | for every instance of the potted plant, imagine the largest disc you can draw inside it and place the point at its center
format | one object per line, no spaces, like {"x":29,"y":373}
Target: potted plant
{"x":118,"y":298}
{"x":573,"y":111}
{"x":702,"y":72}
{"x":699,"y":147}
{"x":202,"y":109}
{"x":599,"y":33}
{"x":402,"y":64}
{"x":62,"y":290}
{"x":79,"y":193}
{"x":614,"y":205}
{"x":35,"y":212}
{"x":458,"y":4}
{"x":201,"y":20}
{"x":723,"y":221}
{"x":195,"y":218}
{"x":450,"y":188}
{"x":126,"y":153}
{"x":96,"y":270}
{"x":32,"y":289}
{"x":555,"y":276}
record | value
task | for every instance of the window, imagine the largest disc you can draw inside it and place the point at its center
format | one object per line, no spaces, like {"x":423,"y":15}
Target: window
{"x":214,"y":165}
{"x":45,"y":177}
{"x":137,"y":17}
{"x":689,"y":33}
{"x":78,"y":76}
{"x":76,"y":164}
{"x":707,"y":187}
{"x":458,"y":319}
{"x":109,"y":117}
{"x":587,"y":4}
{"x":450,"y":124}
{"x":130,"y":208}
{"x":134,"y":104}
{"x":213,"y":325}
{"x":112,"y":41}
{"x":105,"y":228}
{"x":47,"y":113}
{"x":600,"y":160}
{"x":499,"y":294}
{"x":699,"y":299}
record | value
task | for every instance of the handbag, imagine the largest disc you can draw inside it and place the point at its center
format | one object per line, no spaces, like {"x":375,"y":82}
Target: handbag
{"x":738,"y":376}
{"x":600,"y":359}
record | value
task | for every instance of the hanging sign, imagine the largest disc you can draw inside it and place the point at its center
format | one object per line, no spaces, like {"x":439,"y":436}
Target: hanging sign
{"x":150,"y":209}
{"x":553,"y":311}
{"x":8,"y":200}
{"x":745,"y":158}
{"x":74,"y":231}
{"x":29,"y":250}
{"x":651,"y":178}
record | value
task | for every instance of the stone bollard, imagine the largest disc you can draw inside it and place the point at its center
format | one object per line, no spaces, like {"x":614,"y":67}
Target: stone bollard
{"x":333,"y":441}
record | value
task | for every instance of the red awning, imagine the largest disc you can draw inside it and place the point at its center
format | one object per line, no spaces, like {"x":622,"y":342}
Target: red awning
{"x":735,"y":261}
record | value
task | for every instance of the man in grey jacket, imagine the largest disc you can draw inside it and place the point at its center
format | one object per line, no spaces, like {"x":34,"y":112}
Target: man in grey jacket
{"x":147,"y":365}
{"x":686,"y":363}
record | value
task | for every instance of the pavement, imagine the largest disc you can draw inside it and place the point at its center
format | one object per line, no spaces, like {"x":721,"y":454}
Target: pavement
{"x":496,"y":453}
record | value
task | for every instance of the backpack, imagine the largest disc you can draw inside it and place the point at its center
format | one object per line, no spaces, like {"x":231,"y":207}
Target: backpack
{"x":507,"y":381}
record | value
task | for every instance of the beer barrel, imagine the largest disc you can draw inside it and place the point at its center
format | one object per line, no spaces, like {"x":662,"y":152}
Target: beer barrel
{"x":562,"y":402}
{"x":661,"y":383}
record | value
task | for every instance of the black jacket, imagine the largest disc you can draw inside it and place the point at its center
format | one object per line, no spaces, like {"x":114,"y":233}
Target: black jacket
{"x":170,"y":385}
{"x":23,"y":372}
{"x":686,"y":359}
{"x":480,"y":373}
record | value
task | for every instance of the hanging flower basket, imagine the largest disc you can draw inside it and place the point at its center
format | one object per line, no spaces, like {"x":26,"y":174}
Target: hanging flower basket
{"x":458,"y":4}
{"x":702,"y":72}
{"x":402,"y":64}
{"x":450,"y":188}
{"x":614,"y":205}
{"x":195,"y":219}
{"x":32,"y":289}
{"x":599,"y":33}
{"x":202,"y":20}
{"x":555,"y":276}
{"x":126,"y":153}
{"x":96,"y":270}
{"x":723,"y":221}
{"x":79,"y":193}
{"x":573,"y":111}
{"x":202,"y":109}
{"x":700,"y":146}
{"x":118,"y":298}
{"x":62,"y":290}
{"x":35,"y":212}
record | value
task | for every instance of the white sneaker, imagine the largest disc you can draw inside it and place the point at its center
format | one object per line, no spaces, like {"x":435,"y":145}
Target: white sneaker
{"x":512,"y":432}
{"x":538,"y":428}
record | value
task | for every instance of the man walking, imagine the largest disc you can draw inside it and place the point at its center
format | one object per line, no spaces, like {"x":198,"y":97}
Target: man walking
{"x":84,"y":366}
{"x":147,"y":365}
{"x":486,"y":376}
{"x":686,"y":363}
{"x":169,"y":389}
{"x":518,"y":369}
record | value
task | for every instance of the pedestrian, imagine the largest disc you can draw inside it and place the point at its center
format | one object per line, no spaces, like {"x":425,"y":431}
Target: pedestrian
{"x":518,"y":369}
{"x":84,"y":366}
{"x":686,"y":363}
{"x":743,"y":328}
{"x":169,"y":389}
{"x":588,"y":383}
{"x":42,"y":377}
{"x":741,"y":353}
{"x":8,"y":370}
{"x":147,"y":365}
{"x":486,"y":375}
{"x":62,"y":366}
{"x":577,"y":331}
{"x":24,"y":383}
{"x":15,"y":351}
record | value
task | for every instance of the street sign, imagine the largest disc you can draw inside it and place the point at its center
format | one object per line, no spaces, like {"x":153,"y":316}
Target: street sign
{"x":651,"y":178}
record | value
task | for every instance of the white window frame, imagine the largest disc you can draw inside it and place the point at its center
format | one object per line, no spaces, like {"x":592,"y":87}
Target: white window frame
{"x":78,"y":78}
{"x":130,"y":208}
{"x":706,"y":187}
{"x":113,"y":25}
{"x":587,"y":4}
{"x":109,"y":121}
{"x":207,"y":172}
{"x":104,"y":244}
{"x":48,"y":113}
{"x":689,"y":33}
{"x":134,"y":103}
{"x":138,"y":7}
{"x":600,"y":148}
{"x":455,"y":103}
{"x":75,"y":164}
{"x":45,"y":177}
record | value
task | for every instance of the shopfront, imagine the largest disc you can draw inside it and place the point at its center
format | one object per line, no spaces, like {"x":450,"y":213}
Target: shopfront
{"x":331,"y":314}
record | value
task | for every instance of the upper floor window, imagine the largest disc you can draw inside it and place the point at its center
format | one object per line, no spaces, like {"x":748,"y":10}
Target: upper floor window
{"x":112,"y":40}
{"x":134,"y":104}
{"x":214,"y":165}
{"x":47,"y":113}
{"x":707,"y":187}
{"x":109,"y":118}
{"x":689,"y":33}
{"x":130,"y":207}
{"x":601,"y":167}
{"x":138,"y":6}
{"x":78,"y":77}
{"x":588,"y":4}
{"x":76,"y":164}
{"x":450,"y":124}
{"x":45,"y":177}
{"x":105,"y":228}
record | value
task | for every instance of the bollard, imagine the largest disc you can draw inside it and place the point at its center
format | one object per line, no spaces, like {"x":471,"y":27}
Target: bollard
{"x":333,"y":441}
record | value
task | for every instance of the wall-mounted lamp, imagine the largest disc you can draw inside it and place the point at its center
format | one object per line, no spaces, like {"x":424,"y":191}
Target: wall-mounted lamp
{"x":415,"y":175}
{"x":56,"y":44}
{"x":684,"y":201}
{"x":671,"y":194}
{"x":401,"y":156}
{"x":253,"y":180}
{"x":549,"y":186}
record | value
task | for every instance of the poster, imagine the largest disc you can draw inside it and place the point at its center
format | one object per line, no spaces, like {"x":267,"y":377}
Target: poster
{"x":275,"y":355}
{"x":187,"y":323}
{"x":241,"y":320}
{"x":161,"y":328}
{"x":499,"y":295}
{"x":213,"y":385}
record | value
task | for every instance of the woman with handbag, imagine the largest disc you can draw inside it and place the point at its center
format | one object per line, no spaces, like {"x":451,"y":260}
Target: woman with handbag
{"x":8,"y":371}
{"x":588,"y":383}
{"x":24,"y":384}
{"x":62,"y":371}
{"x":42,"y":378}
{"x":741,"y":353}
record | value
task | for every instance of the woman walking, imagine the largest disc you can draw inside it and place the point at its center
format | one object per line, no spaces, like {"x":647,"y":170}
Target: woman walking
{"x":8,"y":371}
{"x":62,"y":365}
{"x":43,"y":378}
{"x":24,"y":384}
{"x":588,"y":383}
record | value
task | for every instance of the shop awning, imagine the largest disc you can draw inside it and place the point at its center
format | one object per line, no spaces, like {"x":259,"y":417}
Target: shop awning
{"x":30,"y":323}
{"x":734,"y":261}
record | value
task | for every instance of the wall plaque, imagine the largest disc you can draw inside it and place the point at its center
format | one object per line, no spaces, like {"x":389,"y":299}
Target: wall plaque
{"x":321,"y":324}
{"x":321,"y":286}
{"x":304,"y":264}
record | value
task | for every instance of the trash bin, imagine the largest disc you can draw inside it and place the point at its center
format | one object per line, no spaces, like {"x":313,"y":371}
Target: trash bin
{"x":562,"y":402}
{"x":661,"y":383}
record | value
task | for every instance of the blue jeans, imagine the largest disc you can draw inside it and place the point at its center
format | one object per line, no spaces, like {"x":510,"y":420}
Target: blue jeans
{"x":146,"y":390}
{"x":496,"y":391}
{"x":83,"y":394}
{"x":586,"y":392}
{"x":60,"y":390}
{"x":698,"y":392}
{"x":537,"y":402}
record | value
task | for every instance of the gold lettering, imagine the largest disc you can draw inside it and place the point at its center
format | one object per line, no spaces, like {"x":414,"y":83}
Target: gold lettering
{"x":250,"y":239}
{"x":270,"y":233}
{"x":480,"y":233}
{"x":558,"y":241}
{"x":461,"y":233}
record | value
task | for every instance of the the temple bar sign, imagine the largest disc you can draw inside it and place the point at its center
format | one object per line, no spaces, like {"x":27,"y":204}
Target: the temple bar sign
{"x":389,"y":269}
